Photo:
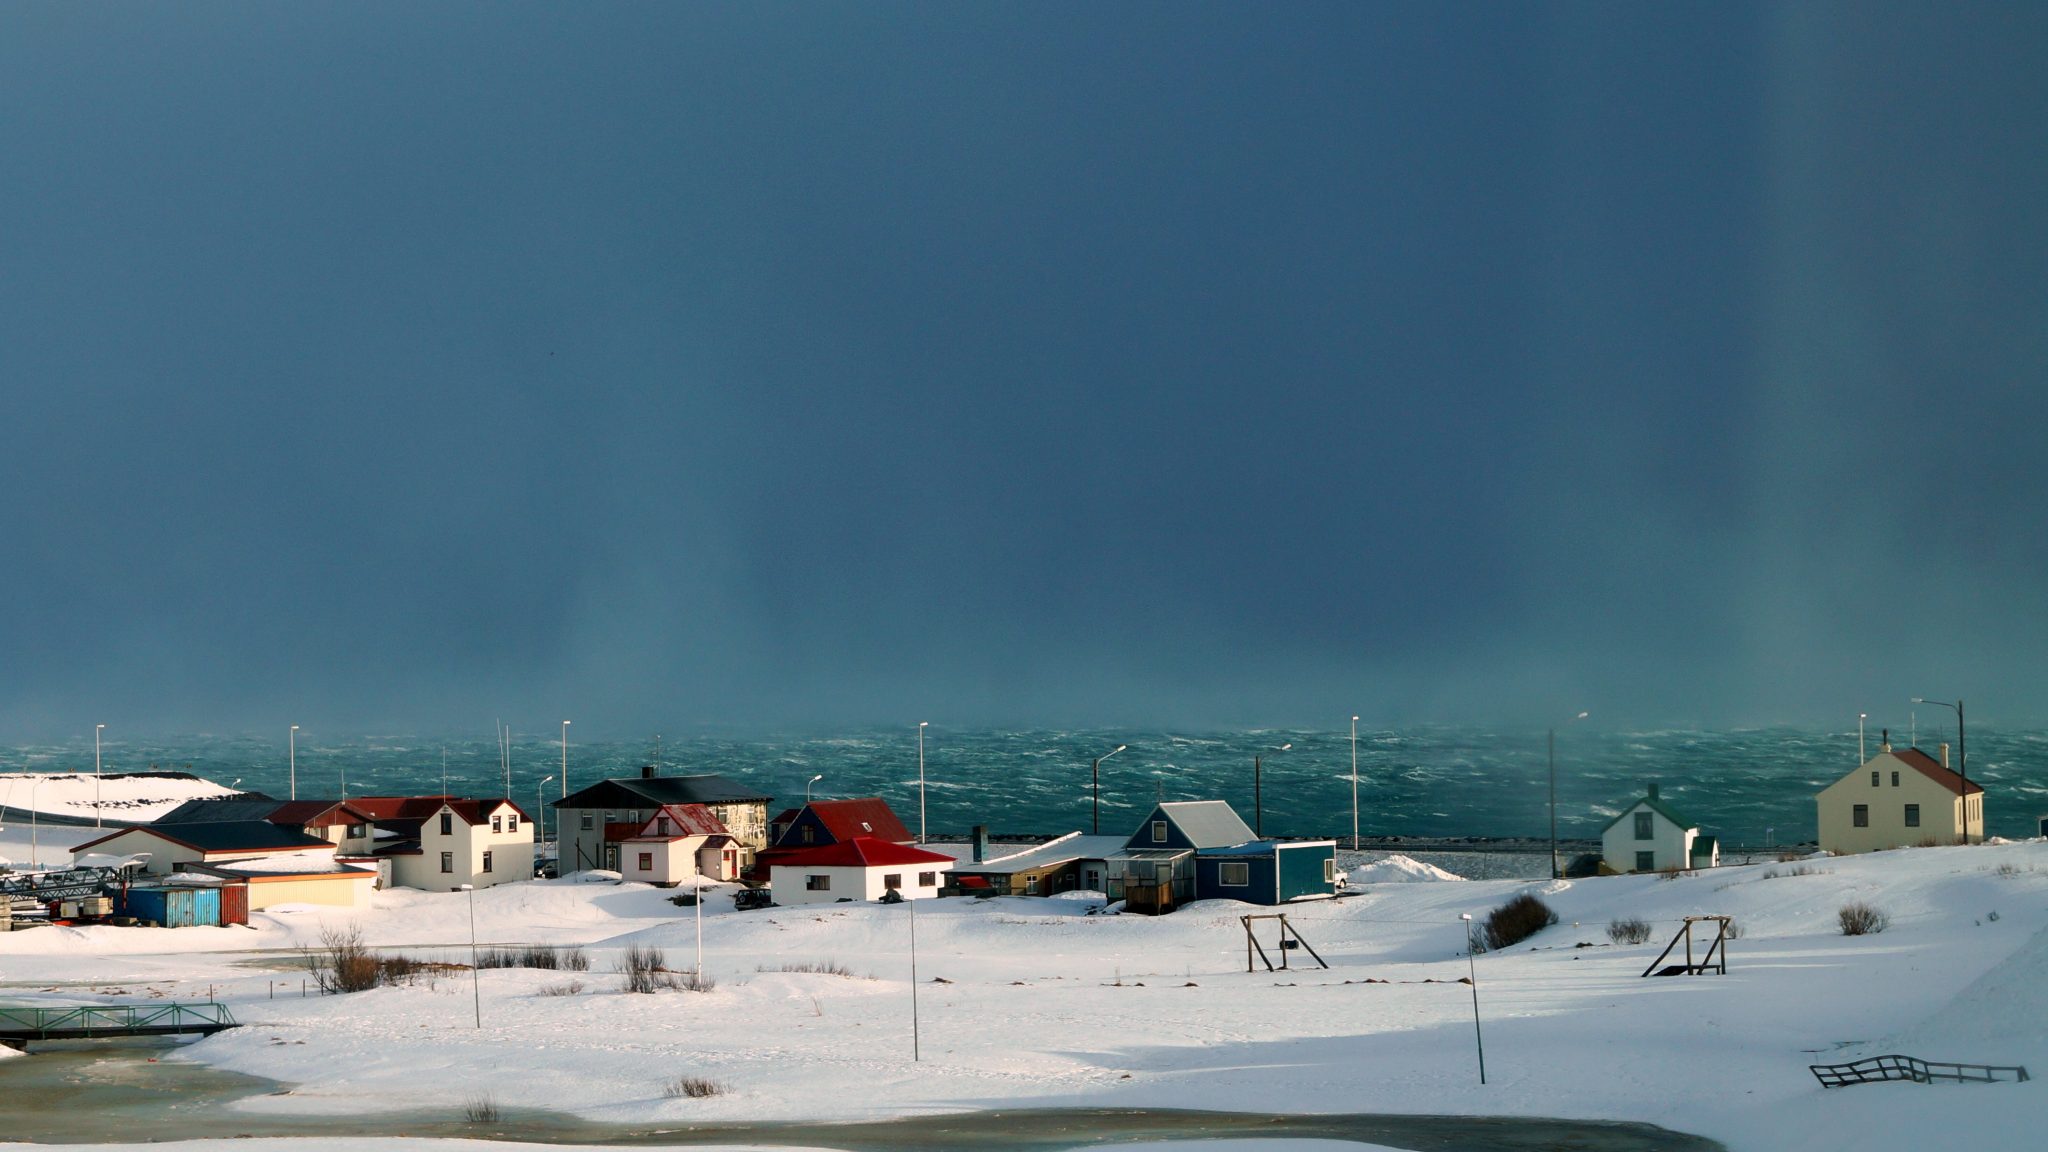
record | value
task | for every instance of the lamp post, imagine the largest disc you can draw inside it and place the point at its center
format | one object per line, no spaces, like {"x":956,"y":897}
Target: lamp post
{"x":293,"y":737}
{"x":1473,"y":972}
{"x":1862,"y":756}
{"x":1556,"y":873}
{"x":540,"y":810}
{"x":1258,"y":795}
{"x":1962,"y":755}
{"x":476,"y":993}
{"x":96,"y":730}
{"x":807,"y":787}
{"x":1354,"y":783}
{"x":1095,"y":778}
{"x":921,"y":726}
{"x":33,"y":812}
{"x":916,"y":1043}
{"x":565,"y":759}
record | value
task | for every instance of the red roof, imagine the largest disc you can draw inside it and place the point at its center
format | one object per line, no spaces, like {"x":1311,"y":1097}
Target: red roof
{"x":866,"y":816}
{"x":858,"y":852}
{"x":420,"y":807}
{"x":683,"y":820}
{"x":317,"y":813}
{"x":1926,"y":766}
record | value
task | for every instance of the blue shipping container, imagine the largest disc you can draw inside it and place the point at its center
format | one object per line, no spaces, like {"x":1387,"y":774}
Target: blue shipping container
{"x":171,"y":907}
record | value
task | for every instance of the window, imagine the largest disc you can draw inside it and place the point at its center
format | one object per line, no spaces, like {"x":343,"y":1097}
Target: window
{"x":358,"y":831}
{"x":892,"y":880}
{"x":927,"y":879}
{"x":497,"y":823}
{"x":1330,"y":871}
{"x":487,"y":861}
{"x":647,"y":861}
{"x":866,"y":827}
{"x":1031,"y":885}
{"x":1159,"y":831}
{"x":586,"y":821}
{"x":661,"y":826}
{"x":447,"y":824}
{"x":1873,"y":779}
{"x":1912,"y":815}
{"x":1646,"y":861}
{"x":808,"y":835}
{"x":1645,"y":826}
{"x":1234,"y":874}
{"x":447,"y":861}
{"x":1860,"y":816}
{"x":1895,"y":779}
{"x":817,"y":883}
{"x":512,"y":822}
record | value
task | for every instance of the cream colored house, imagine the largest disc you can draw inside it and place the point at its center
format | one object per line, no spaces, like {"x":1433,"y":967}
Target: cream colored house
{"x":202,"y":842}
{"x":1650,"y":836}
{"x":295,"y":878}
{"x":1900,"y":799}
{"x":439,"y":843}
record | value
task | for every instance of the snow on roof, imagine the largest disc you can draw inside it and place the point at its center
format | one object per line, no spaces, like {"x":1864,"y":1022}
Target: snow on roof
{"x":127,"y":797}
{"x":1072,"y":846}
{"x":284,"y":864}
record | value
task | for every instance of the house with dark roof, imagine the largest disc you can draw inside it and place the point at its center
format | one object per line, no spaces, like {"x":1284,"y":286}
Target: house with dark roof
{"x":1900,"y":798}
{"x":859,"y":868}
{"x":167,"y":846}
{"x":1203,"y":850}
{"x":822,"y":822}
{"x":1649,"y":835}
{"x":582,"y":817}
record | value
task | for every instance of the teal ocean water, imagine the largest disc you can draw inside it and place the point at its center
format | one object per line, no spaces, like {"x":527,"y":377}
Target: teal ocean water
{"x":1749,"y":787}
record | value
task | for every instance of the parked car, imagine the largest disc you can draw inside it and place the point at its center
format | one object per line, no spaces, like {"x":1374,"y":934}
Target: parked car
{"x":748,"y":899}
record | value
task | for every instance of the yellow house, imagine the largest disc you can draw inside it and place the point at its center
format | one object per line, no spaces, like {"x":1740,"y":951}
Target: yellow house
{"x":1900,"y":799}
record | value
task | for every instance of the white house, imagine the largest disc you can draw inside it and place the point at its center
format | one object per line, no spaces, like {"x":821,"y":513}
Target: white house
{"x":1897,"y":800}
{"x":1650,"y":836}
{"x":444,"y":842}
{"x":587,"y":820}
{"x":678,"y":842}
{"x":862,"y":868}
{"x":203,"y":842}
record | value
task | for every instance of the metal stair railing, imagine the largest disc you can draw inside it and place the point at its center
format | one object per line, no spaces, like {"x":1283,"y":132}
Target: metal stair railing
{"x":1896,"y":1067}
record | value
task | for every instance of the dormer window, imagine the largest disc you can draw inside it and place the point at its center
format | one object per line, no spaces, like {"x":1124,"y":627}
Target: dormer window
{"x":661,"y":826}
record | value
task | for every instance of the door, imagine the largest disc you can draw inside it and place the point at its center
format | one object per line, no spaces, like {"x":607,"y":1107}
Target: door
{"x":611,"y":857}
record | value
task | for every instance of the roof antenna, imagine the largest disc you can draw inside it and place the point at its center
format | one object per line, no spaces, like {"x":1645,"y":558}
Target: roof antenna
{"x":444,"y":770}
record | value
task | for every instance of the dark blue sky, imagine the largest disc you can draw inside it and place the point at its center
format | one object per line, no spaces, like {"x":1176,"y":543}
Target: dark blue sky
{"x":395,"y":366}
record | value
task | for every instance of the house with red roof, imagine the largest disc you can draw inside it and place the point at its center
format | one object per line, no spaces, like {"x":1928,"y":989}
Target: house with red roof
{"x":679,"y":842}
{"x":1900,"y":799}
{"x":857,"y":868}
{"x":822,"y":822}
{"x":439,"y":843}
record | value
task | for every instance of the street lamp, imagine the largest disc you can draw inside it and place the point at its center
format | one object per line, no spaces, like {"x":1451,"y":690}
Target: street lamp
{"x":1555,"y":872}
{"x":33,"y":813}
{"x":807,"y":787}
{"x":96,"y":730}
{"x":1258,"y":795}
{"x":1354,"y":783}
{"x":1962,"y":755}
{"x":1095,"y":775}
{"x":540,"y":810}
{"x":476,"y":993}
{"x":565,"y":759}
{"x":293,"y":736}
{"x":1473,"y":972}
{"x":921,"y":726}
{"x":1862,"y":756}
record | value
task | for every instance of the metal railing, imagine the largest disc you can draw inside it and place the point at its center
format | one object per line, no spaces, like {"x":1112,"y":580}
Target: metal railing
{"x":1896,"y":1067}
{"x":114,"y":1020}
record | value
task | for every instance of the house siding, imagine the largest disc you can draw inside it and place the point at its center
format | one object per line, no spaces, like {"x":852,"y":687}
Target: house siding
{"x":1670,"y":844}
{"x":1941,"y":811}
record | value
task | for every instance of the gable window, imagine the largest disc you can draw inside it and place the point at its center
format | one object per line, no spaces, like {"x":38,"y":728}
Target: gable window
{"x":1159,"y":831}
{"x":357,"y":831}
{"x":808,"y":835}
{"x":817,"y":883}
{"x":512,"y":822}
{"x":661,"y":826}
{"x":487,"y":861}
{"x":447,"y":861}
{"x":647,"y":861}
{"x":1873,"y":779}
{"x":927,"y":879}
{"x":586,"y":821}
{"x":892,"y":880}
{"x":1646,"y":861}
{"x":1234,"y":874}
{"x":1860,"y":816}
{"x":1895,"y":779}
{"x":447,"y":823}
{"x":497,"y":823}
{"x":1912,"y":815}
{"x":1645,"y":826}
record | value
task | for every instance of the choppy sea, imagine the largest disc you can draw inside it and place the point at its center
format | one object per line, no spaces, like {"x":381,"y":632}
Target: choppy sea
{"x":1751,"y":787}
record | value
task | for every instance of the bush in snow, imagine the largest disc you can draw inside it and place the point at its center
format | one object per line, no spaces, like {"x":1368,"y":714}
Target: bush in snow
{"x":1517,"y":920}
{"x":569,"y":989}
{"x":1634,"y":930}
{"x":692,"y":1087}
{"x":547,"y":957}
{"x":482,"y":1110}
{"x":646,"y":969}
{"x":820,"y":967}
{"x":343,"y":963}
{"x":1860,"y":919}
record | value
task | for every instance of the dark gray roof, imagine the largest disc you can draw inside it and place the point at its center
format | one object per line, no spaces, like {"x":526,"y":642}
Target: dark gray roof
{"x":636,"y":792}
{"x":253,"y":806}
{"x":226,"y":836}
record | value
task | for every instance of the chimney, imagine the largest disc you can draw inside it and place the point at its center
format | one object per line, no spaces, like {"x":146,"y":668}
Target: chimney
{"x":980,"y":843}
{"x":1653,"y":789}
{"x":647,"y":771}
{"x":1884,"y":742}
{"x":1944,"y":754}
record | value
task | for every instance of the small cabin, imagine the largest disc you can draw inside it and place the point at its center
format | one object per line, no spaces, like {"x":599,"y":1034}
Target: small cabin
{"x":1650,"y":836}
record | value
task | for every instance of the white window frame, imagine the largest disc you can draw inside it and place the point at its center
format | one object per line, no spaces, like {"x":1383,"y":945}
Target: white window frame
{"x":448,"y":863}
{"x":1159,"y":831}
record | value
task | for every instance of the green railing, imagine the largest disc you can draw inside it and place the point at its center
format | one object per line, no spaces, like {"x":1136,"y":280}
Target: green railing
{"x":115,"y":1019}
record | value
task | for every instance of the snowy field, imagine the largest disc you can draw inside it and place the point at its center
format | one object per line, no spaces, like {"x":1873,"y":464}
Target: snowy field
{"x":1037,"y":1003}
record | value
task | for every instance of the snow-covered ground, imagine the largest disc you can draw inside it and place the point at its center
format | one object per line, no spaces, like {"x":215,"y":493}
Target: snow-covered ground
{"x":121,"y":797}
{"x":1037,"y":1003}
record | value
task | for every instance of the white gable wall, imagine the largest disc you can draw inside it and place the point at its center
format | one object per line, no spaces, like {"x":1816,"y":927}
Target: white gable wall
{"x":1670,"y":845}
